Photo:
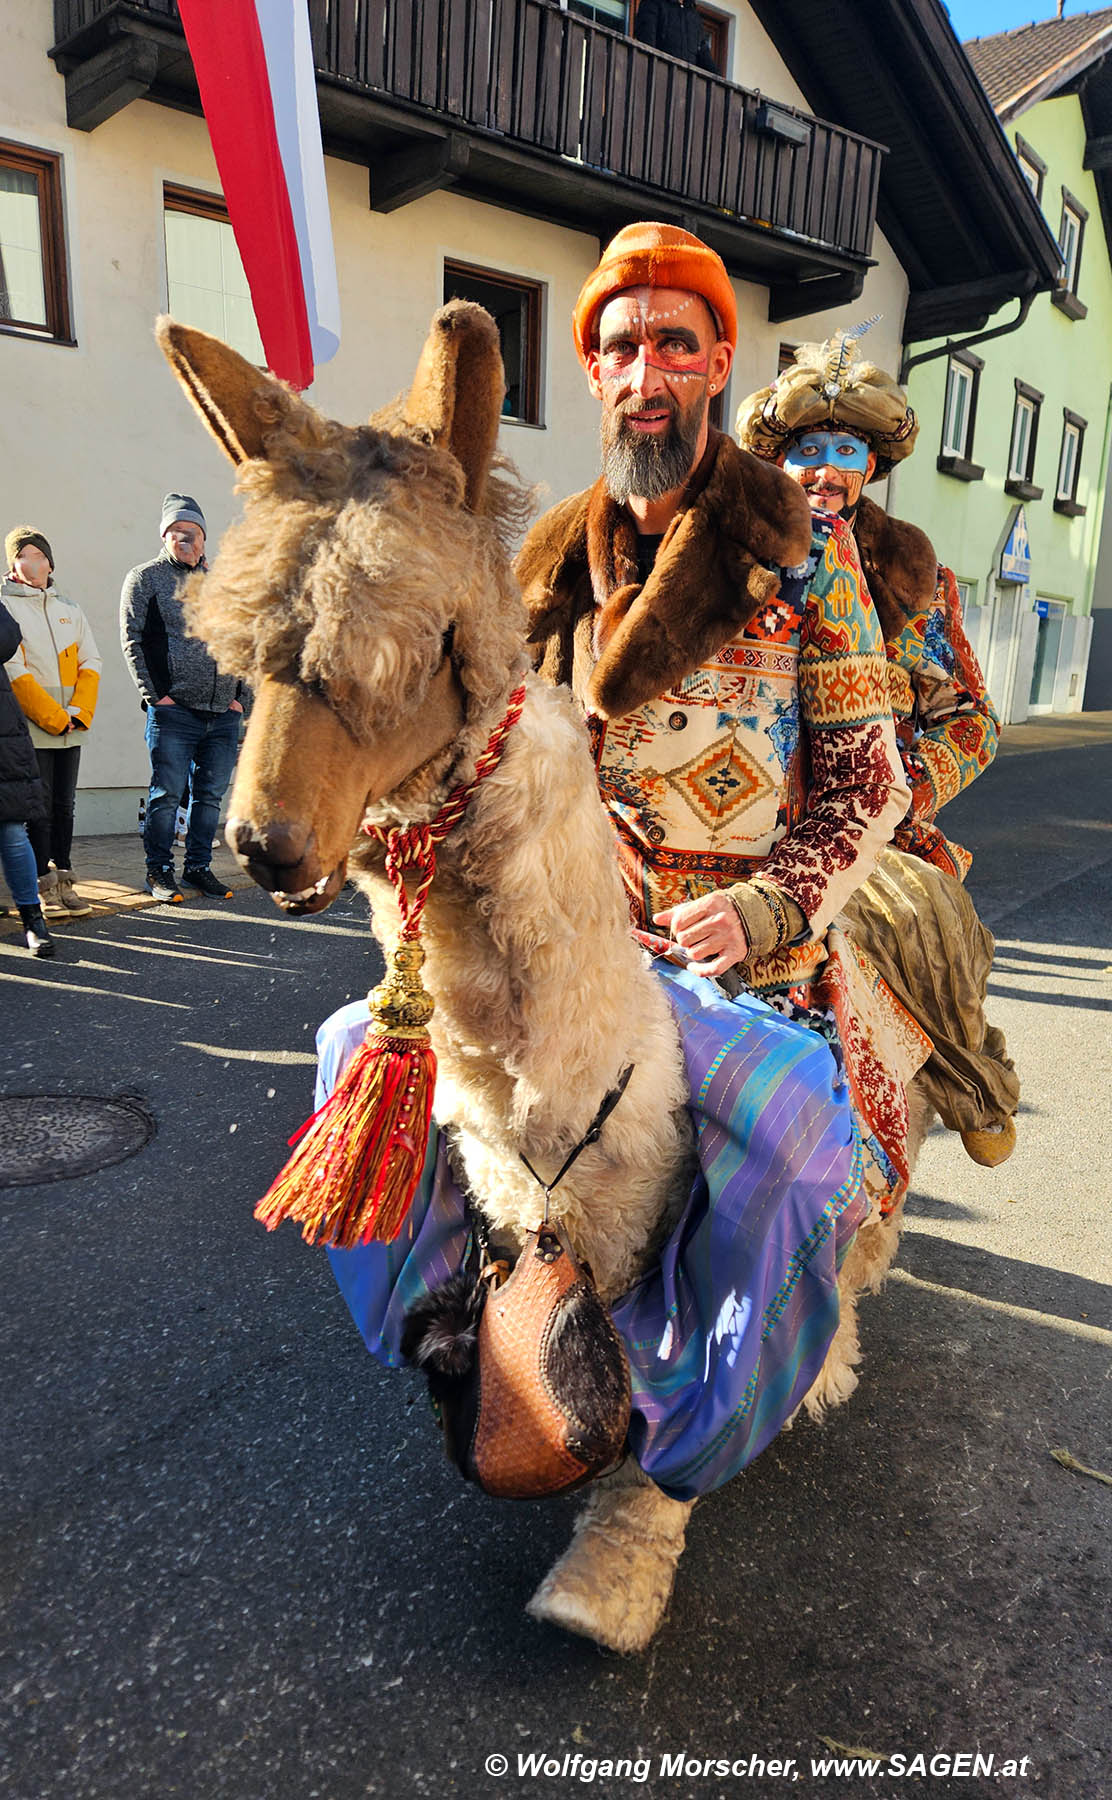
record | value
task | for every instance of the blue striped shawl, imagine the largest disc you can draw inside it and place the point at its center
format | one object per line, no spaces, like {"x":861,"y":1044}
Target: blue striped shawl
{"x":728,"y":1329}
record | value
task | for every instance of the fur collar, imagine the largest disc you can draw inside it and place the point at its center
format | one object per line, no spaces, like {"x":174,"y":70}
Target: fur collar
{"x":736,"y":514}
{"x":900,"y":566}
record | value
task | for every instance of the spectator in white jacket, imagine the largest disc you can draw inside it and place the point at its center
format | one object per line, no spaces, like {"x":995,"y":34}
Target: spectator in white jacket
{"x":55,"y":675}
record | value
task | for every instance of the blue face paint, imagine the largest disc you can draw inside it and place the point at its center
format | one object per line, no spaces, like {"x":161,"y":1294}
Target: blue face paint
{"x":822,"y":449}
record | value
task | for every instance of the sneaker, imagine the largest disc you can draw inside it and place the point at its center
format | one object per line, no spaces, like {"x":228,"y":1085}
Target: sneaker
{"x":207,"y":883}
{"x":162,"y":884}
{"x":68,"y":896}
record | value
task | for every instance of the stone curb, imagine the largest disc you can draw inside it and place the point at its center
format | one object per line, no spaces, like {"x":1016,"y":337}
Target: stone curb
{"x":109,"y":874}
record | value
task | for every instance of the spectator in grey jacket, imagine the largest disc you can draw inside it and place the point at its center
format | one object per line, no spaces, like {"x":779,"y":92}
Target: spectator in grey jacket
{"x":193,"y":712}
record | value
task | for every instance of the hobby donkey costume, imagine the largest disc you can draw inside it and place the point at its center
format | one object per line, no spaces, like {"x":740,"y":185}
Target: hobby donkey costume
{"x":836,"y":422}
{"x":699,"y":1152}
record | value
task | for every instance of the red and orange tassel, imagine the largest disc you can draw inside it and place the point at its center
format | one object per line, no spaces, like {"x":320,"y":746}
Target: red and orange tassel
{"x":357,"y":1162}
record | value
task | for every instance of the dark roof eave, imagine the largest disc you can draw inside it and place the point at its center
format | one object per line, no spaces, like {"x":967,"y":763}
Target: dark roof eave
{"x":966,"y":306}
{"x":952,"y":130}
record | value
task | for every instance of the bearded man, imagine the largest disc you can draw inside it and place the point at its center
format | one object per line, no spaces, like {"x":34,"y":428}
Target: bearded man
{"x":835,"y":424}
{"x":732,"y":670}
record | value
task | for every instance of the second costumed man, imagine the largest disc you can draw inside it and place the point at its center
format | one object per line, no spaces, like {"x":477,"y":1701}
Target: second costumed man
{"x":836,"y":423}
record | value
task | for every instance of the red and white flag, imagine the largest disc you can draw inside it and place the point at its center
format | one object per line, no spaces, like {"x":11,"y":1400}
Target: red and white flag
{"x":254,"y":66}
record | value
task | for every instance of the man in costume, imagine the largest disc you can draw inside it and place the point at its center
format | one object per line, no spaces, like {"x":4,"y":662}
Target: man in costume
{"x":836,"y":423}
{"x":732,"y":669}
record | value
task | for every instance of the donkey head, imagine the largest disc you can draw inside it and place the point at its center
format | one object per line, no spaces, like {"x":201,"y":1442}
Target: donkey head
{"x":365,"y":594}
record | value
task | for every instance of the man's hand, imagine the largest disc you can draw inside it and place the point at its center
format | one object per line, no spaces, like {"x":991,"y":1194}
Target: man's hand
{"x":709,"y":930}
{"x":165,"y":701}
{"x":235,"y":706}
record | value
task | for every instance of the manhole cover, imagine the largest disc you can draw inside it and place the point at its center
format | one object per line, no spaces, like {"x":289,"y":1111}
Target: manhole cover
{"x":53,"y":1137}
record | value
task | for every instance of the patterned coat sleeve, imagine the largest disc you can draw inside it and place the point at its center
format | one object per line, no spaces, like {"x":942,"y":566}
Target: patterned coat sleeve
{"x":858,"y":792}
{"x":945,"y":720}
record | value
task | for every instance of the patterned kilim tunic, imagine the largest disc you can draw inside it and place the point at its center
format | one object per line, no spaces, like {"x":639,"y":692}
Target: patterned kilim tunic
{"x":776,"y":755}
{"x":945,"y":724}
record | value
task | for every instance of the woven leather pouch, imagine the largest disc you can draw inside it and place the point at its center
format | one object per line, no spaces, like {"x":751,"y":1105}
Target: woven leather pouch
{"x":530,"y":1378}
{"x":554,"y":1388}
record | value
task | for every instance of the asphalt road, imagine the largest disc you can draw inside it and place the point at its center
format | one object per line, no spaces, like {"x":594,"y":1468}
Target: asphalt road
{"x":235,"y":1563}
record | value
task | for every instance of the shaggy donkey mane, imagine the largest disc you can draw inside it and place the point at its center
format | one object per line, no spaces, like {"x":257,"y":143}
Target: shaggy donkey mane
{"x":354,"y":554}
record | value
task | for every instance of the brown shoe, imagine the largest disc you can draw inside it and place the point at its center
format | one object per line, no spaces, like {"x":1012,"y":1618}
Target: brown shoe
{"x":990,"y":1148}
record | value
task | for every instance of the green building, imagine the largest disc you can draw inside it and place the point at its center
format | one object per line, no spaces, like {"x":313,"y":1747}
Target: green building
{"x":1011,"y":470}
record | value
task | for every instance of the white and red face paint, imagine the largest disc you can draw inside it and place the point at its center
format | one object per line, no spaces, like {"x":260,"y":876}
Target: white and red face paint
{"x":644,"y":333}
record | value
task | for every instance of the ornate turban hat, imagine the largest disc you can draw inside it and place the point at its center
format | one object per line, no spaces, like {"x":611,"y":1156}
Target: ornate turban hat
{"x":649,"y":255}
{"x":826,"y":385}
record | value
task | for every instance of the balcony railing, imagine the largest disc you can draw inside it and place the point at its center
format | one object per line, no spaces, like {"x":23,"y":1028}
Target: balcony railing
{"x":536,"y":108}
{"x":541,"y":77}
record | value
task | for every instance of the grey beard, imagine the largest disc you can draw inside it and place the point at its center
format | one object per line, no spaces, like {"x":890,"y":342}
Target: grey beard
{"x":648,"y":467}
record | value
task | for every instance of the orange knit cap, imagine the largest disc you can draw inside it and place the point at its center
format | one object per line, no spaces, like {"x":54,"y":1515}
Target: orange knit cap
{"x":651,"y":255}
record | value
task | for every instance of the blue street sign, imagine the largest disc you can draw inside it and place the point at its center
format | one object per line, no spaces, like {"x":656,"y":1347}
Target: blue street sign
{"x":1015,"y":558}
{"x":1042,"y":607}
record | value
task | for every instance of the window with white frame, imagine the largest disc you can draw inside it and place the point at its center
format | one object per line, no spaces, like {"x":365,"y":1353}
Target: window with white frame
{"x":961,"y":393}
{"x":1031,"y":166}
{"x":1069,"y":464}
{"x":1071,"y":235}
{"x":1021,"y":451}
{"x":1023,"y":431}
{"x":959,"y":409}
{"x":205,"y":282}
{"x":967,"y":593}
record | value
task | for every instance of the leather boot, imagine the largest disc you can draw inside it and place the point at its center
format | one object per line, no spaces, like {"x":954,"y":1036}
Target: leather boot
{"x":38,"y":939}
{"x":990,"y":1148}
{"x":49,"y":898}
{"x":68,"y":896}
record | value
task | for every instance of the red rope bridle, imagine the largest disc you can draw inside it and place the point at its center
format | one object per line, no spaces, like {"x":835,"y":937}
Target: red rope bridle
{"x":414,"y":846}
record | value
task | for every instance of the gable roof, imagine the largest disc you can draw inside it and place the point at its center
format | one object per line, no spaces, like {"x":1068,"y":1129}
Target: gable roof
{"x":1029,"y":63}
{"x":1035,"y":62}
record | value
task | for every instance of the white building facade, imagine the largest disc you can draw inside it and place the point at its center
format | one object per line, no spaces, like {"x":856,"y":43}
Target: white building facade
{"x":94,"y":429}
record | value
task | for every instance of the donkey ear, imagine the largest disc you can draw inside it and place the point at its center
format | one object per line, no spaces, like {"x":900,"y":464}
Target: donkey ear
{"x":457,"y":392}
{"x":239,"y":403}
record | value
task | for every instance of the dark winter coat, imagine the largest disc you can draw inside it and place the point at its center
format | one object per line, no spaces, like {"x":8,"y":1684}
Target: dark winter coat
{"x":21,"y":796}
{"x":162,"y":657}
{"x":675,"y":28}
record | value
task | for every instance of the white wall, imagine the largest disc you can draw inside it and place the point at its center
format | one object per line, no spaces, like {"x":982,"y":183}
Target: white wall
{"x":102,"y":432}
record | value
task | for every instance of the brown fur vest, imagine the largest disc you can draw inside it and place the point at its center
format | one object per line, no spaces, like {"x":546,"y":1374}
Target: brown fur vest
{"x":899,"y":564}
{"x":736,"y":514}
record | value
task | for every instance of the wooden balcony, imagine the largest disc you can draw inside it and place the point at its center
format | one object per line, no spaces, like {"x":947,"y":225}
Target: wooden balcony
{"x":520,"y":104}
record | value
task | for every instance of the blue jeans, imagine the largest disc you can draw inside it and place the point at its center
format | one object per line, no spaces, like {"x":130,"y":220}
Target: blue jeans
{"x":184,"y":744}
{"x":18,"y":862}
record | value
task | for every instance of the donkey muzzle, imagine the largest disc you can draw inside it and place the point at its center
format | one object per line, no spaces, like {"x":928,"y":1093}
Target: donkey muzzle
{"x":281,"y":857}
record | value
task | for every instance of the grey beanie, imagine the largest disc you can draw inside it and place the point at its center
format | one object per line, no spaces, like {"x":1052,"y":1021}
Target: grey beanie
{"x":181,"y":507}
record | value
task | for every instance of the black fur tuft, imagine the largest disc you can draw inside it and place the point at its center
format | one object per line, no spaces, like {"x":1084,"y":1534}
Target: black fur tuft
{"x":585,"y":1365}
{"x":441,"y":1332}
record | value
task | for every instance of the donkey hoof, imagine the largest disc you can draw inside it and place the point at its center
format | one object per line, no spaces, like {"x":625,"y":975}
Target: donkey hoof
{"x":615,"y":1595}
{"x":614,"y":1581}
